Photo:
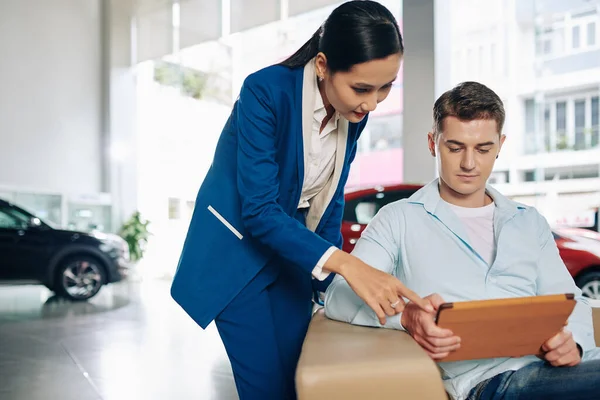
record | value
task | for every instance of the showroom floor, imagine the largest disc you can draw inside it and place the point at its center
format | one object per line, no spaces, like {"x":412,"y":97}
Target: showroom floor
{"x":129,"y":342}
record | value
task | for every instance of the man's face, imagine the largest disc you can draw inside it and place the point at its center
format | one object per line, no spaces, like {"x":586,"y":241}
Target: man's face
{"x":466,"y":152}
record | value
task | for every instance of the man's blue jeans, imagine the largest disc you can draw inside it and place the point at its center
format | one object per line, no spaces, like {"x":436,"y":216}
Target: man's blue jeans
{"x":540,"y":380}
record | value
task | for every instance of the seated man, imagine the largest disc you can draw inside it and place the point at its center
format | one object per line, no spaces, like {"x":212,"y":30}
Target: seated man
{"x":457,"y":239}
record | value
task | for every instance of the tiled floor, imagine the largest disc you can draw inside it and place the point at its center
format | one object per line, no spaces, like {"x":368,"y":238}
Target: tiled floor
{"x":129,"y":342}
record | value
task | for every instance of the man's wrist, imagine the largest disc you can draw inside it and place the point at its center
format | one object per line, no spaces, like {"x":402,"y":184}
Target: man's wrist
{"x":402,"y":321}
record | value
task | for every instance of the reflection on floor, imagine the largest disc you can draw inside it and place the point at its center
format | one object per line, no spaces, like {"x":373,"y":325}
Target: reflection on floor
{"x":130,"y":342}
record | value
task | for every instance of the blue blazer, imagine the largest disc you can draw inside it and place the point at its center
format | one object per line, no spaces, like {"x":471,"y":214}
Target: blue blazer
{"x":244,"y":213}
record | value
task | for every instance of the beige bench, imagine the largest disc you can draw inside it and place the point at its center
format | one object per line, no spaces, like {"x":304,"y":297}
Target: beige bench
{"x":342,"y":361}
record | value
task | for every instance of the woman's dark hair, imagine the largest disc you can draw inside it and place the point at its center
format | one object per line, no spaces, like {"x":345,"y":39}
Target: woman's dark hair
{"x":357,"y":31}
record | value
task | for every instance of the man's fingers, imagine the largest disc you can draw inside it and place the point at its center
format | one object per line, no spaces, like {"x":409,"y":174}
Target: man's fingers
{"x":413,"y":297}
{"x":436,"y":300}
{"x":566,"y":349}
{"x":434,"y":331}
{"x":443,"y":343}
{"x":427,"y":345}
{"x":562,"y":350}
{"x":557,"y":340}
{"x":570,"y":359}
{"x":437,"y":356}
{"x":567,"y":359}
{"x":576,"y":361}
{"x":436,"y":353}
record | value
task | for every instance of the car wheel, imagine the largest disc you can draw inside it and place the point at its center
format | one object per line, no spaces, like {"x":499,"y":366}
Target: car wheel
{"x":80,"y":278}
{"x":589,"y":283}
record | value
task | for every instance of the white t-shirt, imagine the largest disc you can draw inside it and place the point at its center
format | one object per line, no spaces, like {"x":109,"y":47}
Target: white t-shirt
{"x":479,"y":224}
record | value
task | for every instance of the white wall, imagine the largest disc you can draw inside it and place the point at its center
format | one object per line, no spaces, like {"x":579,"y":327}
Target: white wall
{"x":50,"y":94}
{"x":177,"y":139}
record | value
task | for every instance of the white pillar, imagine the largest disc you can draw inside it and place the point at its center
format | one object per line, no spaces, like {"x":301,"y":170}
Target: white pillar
{"x":426,"y":34}
{"x":119,"y":109}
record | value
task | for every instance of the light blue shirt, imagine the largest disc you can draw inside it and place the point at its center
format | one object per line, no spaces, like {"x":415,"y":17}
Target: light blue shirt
{"x":422,"y":242}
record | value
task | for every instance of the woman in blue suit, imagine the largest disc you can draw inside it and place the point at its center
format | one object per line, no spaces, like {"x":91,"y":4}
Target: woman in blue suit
{"x":266,"y":228}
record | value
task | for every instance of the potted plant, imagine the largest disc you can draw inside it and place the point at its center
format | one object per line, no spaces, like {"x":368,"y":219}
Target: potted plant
{"x":135,"y":232}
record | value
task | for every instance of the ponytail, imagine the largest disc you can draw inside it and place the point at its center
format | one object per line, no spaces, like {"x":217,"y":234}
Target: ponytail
{"x":306,"y":53}
{"x":355,"y":32}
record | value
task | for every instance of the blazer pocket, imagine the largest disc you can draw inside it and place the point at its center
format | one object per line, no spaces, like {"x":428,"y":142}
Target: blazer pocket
{"x":225,"y":222}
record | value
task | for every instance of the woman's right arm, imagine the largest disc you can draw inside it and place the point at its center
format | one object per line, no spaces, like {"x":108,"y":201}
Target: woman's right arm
{"x":364,"y":285}
{"x":265,"y":220}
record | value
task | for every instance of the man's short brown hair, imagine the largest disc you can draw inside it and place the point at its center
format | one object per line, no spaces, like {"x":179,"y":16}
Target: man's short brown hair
{"x":468,"y":101}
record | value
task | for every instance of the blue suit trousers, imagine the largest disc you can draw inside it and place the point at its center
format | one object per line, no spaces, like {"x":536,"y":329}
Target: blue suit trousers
{"x":263,"y":329}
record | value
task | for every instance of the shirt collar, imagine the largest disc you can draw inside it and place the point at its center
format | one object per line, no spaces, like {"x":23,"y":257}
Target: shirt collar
{"x":320,"y":112}
{"x":429,"y":197}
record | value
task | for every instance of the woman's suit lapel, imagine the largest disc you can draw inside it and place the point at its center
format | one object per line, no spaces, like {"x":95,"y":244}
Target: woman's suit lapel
{"x":319,"y":203}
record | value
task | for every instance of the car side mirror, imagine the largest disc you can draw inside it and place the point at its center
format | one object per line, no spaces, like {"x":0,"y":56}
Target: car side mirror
{"x":34,"y":222}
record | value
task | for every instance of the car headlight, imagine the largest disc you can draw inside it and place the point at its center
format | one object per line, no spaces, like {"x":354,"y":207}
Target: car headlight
{"x":114,"y":243}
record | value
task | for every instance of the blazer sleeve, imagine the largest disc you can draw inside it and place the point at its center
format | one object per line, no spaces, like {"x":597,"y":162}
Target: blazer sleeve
{"x":258,"y":182}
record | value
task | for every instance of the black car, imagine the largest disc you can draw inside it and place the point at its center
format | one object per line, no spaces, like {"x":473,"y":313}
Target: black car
{"x":72,"y":264}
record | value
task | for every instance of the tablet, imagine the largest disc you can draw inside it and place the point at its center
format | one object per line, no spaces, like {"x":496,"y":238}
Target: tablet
{"x":512,"y":327}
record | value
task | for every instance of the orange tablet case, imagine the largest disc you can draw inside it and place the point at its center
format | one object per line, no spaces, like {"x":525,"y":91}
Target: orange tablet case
{"x":512,"y":327}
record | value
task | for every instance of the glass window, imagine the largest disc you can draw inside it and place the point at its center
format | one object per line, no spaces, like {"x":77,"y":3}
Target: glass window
{"x":89,"y":217}
{"x":8,"y":221}
{"x":498,"y":177}
{"x":595,"y":128}
{"x":365,"y":211}
{"x":561,"y":125}
{"x":576,"y":39}
{"x":580,"y":124}
{"x":362,"y":210}
{"x":578,"y":172}
{"x":547,"y":46}
{"x":47,"y":207}
{"x":529,"y":116}
{"x":529,"y":176}
{"x":591,"y":34}
{"x":547,"y":127}
{"x":17,"y":218}
{"x":530,"y":137}
{"x":385,"y":132}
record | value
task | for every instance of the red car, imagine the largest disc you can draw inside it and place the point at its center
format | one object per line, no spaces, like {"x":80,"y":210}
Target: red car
{"x":579,"y":248}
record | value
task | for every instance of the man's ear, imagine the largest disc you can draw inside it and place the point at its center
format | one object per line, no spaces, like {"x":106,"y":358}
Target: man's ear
{"x":431,"y":143}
